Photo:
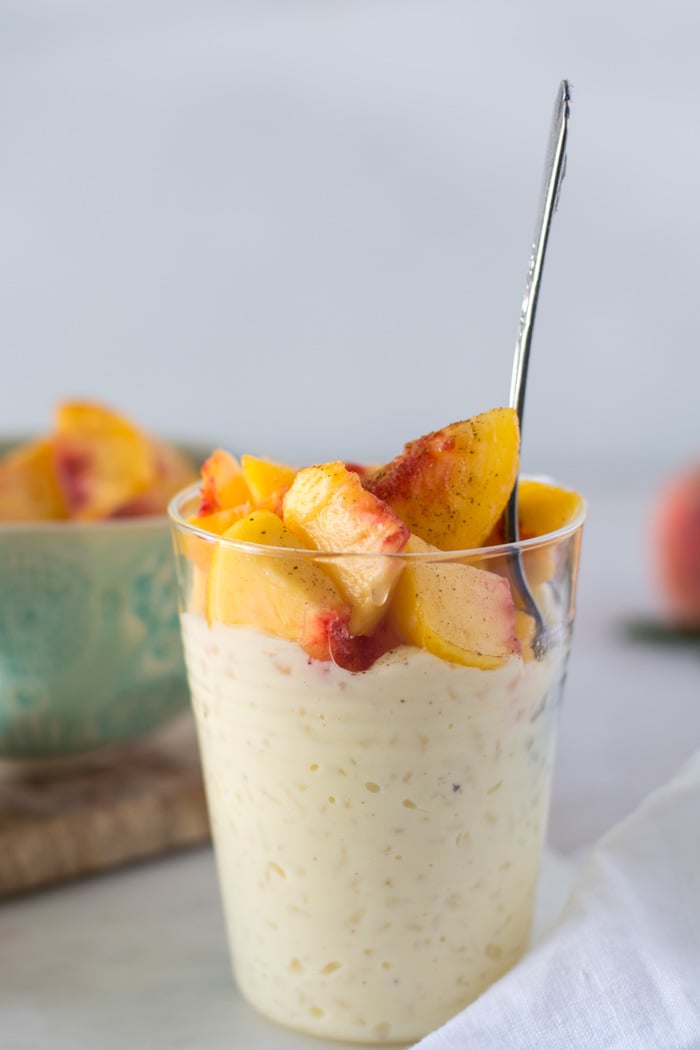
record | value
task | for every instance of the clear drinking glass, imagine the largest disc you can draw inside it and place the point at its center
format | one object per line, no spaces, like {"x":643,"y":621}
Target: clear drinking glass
{"x":378,"y":832}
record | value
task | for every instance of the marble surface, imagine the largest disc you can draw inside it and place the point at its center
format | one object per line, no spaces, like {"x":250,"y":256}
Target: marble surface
{"x":138,"y":958}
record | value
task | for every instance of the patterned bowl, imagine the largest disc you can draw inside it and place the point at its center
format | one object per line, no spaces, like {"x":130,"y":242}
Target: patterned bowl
{"x":90,"y":650}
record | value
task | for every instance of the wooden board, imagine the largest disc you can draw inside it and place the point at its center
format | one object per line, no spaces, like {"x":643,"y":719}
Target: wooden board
{"x":67,"y":818}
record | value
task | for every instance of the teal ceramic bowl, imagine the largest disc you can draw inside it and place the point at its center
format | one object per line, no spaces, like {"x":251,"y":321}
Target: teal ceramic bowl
{"x":90,"y":650}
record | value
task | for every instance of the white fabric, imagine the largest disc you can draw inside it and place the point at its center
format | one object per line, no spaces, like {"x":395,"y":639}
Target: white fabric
{"x":621,"y":967}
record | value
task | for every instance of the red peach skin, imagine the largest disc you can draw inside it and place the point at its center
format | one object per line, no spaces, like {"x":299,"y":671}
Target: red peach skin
{"x":676,"y":546}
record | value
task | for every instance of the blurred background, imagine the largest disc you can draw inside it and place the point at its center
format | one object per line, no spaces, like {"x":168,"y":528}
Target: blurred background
{"x":301,"y":228}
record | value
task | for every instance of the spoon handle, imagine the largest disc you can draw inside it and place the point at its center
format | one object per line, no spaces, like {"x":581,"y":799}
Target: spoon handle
{"x":555,"y":166}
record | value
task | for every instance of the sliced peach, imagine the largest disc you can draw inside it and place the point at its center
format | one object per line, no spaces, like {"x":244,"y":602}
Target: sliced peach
{"x":172,"y":471}
{"x":330,"y":510}
{"x":103,"y":461}
{"x":451,"y":487}
{"x":544,"y":508}
{"x":198,"y":550}
{"x":291,"y":598}
{"x":358,"y":652}
{"x":29,"y":488}
{"x":221,"y":520}
{"x":460,"y":613}
{"x":267,"y":481}
{"x":223,"y":483}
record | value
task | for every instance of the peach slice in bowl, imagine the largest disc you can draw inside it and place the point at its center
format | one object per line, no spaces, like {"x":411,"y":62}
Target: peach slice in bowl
{"x":90,"y":651}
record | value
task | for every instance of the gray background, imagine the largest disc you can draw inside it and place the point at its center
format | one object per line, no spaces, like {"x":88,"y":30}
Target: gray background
{"x":301,"y":228}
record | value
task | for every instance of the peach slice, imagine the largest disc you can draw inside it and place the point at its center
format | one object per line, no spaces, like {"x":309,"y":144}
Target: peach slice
{"x":196,"y":549}
{"x":102,"y":460}
{"x":95,"y":465}
{"x":223,"y":483}
{"x":544,"y":508}
{"x":451,"y":487}
{"x":329,"y":509}
{"x":358,"y":652}
{"x":460,"y":613}
{"x":292,"y":599}
{"x":267,"y":481}
{"x":221,"y":520}
{"x":172,"y":471}
{"x":29,"y":488}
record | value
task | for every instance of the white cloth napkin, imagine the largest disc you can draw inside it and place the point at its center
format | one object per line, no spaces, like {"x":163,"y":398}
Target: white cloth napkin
{"x":621,"y":967}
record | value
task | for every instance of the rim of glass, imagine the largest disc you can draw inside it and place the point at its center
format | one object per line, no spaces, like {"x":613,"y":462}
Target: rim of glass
{"x":180,"y":499}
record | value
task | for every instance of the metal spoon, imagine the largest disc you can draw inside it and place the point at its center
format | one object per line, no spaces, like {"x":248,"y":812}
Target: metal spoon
{"x":555,"y":167}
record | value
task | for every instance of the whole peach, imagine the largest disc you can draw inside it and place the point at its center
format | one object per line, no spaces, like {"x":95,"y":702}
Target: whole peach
{"x":676,"y":546}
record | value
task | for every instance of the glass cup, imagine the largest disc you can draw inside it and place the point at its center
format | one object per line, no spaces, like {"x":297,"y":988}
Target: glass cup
{"x":378,"y":814}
